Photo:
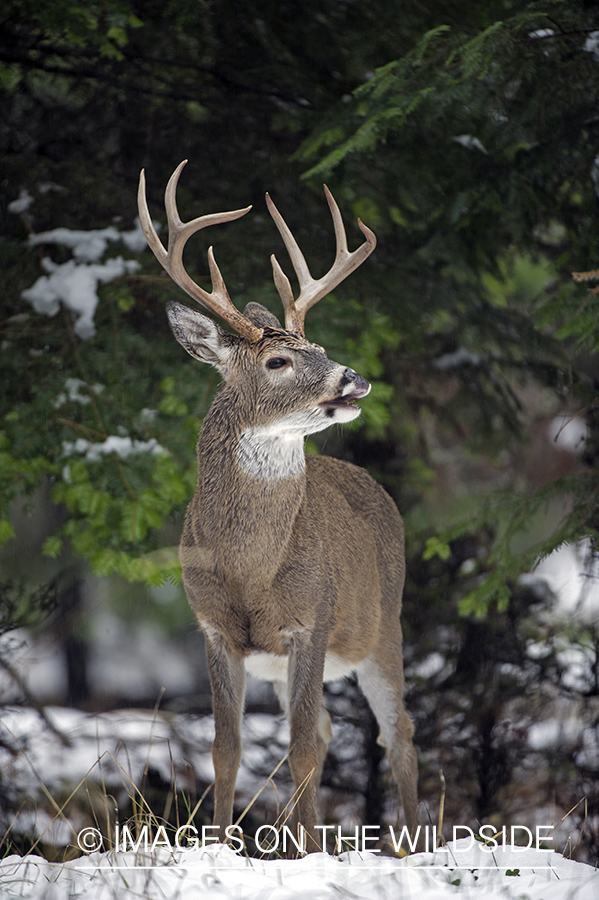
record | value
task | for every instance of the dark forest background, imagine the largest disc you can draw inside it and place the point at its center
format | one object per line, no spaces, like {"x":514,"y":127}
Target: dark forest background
{"x":466,"y":135}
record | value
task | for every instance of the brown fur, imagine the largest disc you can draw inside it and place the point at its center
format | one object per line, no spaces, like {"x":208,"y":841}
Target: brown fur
{"x":296,"y":566}
{"x":293,"y":566}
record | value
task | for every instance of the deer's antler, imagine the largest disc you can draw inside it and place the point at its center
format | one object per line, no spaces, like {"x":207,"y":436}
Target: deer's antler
{"x":314,"y":289}
{"x":218,"y":301}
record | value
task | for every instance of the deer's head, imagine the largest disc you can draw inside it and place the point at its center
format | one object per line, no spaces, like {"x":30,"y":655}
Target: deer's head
{"x":287,"y":385}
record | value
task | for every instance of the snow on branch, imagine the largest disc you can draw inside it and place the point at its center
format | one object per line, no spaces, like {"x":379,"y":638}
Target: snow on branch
{"x":75,"y":283}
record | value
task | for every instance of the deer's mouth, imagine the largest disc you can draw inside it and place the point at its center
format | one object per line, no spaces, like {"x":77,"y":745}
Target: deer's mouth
{"x":347,"y":401}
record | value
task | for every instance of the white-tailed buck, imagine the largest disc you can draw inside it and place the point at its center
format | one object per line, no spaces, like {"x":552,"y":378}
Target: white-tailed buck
{"x":293,"y":565}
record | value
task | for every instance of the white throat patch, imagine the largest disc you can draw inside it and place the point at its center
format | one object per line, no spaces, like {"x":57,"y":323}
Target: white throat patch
{"x":271,"y":452}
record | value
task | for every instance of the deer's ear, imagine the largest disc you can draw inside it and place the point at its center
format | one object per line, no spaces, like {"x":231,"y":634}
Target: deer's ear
{"x":260,"y":316}
{"x":200,"y":336}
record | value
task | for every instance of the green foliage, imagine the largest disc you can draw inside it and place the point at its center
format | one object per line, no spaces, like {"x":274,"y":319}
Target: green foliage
{"x":435,"y":547}
{"x":23,"y":608}
{"x":469,"y":157}
{"x":6,"y":531}
{"x":100,"y":27}
{"x":485,"y":187}
{"x":436,"y":127}
{"x":366,"y":357}
{"x":114,"y":435}
{"x":510,"y":520}
{"x":573,"y":314}
{"x":520,"y":280}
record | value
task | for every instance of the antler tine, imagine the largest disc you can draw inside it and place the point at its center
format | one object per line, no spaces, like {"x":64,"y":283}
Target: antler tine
{"x":283,"y":286}
{"x":311,"y":289}
{"x":218,"y":301}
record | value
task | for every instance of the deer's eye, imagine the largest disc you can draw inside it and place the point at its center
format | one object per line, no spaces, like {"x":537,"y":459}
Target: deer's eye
{"x":277,"y":362}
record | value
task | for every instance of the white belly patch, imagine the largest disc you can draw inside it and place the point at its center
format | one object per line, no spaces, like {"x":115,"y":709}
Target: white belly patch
{"x":268,"y":667}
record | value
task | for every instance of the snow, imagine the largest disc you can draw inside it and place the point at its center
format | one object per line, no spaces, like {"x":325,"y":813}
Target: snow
{"x":147,"y":416}
{"x":469,"y":142}
{"x":563,"y":732}
{"x":137,"y":662}
{"x":113,"y":749}
{"x":578,"y":663}
{"x":122,"y":446}
{"x":568,"y":433}
{"x":217,"y":871}
{"x":541,"y":33}
{"x":90,"y":246}
{"x":73,"y":387}
{"x":591,"y":45}
{"x":431,"y":665}
{"x":75,"y":283}
{"x":77,"y":287}
{"x":460,"y":357}
{"x":574,"y":579}
{"x":22,"y":203}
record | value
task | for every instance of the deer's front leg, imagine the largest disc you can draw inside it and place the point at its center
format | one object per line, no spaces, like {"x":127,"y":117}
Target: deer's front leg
{"x":306,"y":667}
{"x":227,"y":677}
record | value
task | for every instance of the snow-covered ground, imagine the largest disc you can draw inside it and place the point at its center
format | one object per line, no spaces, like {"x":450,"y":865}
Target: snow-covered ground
{"x":217,"y":871}
{"x":108,"y":754}
{"x":100,"y":746}
{"x":111,"y":754}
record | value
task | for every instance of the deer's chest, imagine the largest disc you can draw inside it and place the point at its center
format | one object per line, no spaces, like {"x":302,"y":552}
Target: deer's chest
{"x":260,"y":623}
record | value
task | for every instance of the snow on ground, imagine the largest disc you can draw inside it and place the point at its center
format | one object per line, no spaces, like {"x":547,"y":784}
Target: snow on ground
{"x":215,"y":871}
{"x":114,"y":749}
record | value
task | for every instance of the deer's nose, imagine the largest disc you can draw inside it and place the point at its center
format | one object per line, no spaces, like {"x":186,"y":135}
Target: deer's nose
{"x":353,"y":385}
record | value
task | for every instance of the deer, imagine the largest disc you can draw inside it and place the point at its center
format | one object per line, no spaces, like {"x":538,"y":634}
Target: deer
{"x":293,"y":564}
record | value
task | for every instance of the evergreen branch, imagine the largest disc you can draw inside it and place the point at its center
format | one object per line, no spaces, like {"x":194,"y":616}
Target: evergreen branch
{"x":77,"y":66}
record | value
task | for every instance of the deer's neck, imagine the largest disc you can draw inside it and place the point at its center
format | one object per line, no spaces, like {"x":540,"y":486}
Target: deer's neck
{"x":270,"y":453}
{"x":251,"y":488}
{"x":264,"y":454}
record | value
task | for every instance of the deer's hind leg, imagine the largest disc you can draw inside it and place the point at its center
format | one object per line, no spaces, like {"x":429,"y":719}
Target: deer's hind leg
{"x":381,"y":681}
